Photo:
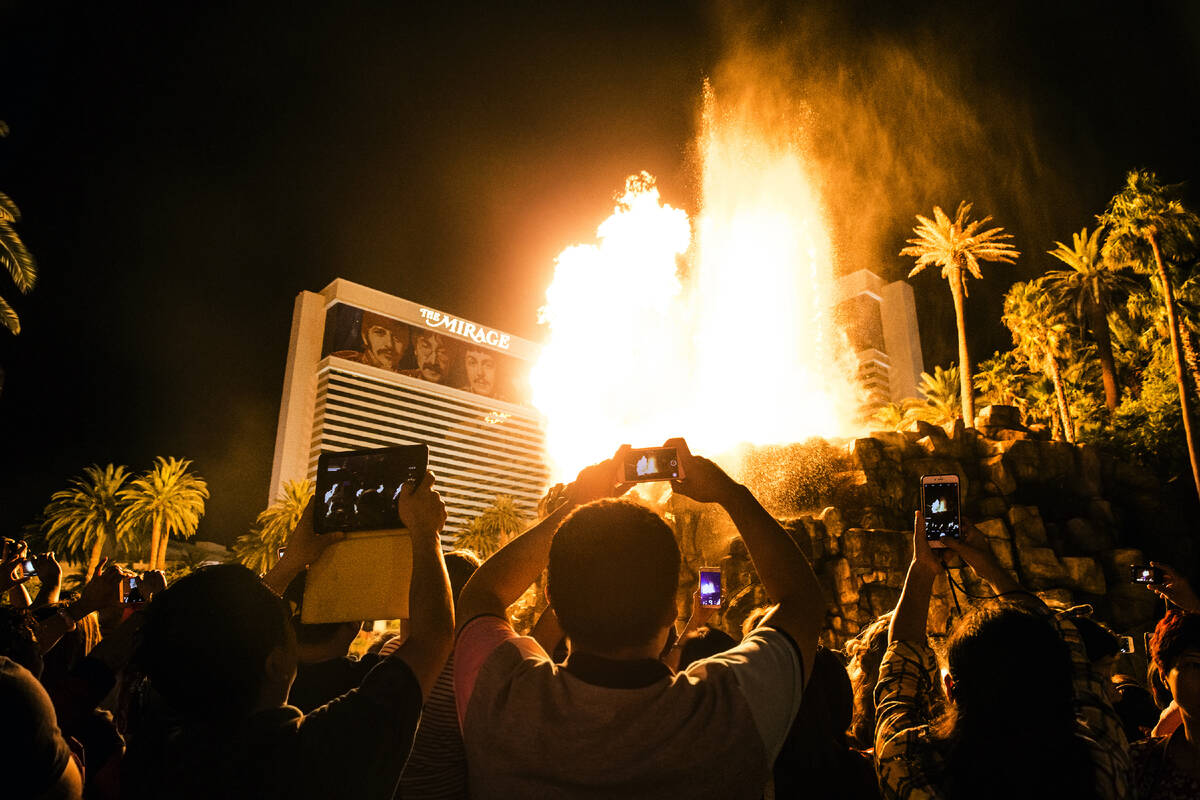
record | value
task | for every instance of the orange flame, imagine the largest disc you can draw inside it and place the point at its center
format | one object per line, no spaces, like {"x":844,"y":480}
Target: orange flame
{"x":742,"y":349}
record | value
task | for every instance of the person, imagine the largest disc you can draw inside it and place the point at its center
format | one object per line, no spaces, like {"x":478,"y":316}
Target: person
{"x":1168,"y":767}
{"x":1135,"y":706}
{"x":817,"y":759}
{"x":433,"y":353}
{"x":864,"y":653}
{"x":479,"y":370}
{"x":1017,"y":676}
{"x":218,"y":649}
{"x":384,"y":342}
{"x":613,"y":721}
{"x":437,"y":765}
{"x":34,"y":757}
{"x":324,"y":669}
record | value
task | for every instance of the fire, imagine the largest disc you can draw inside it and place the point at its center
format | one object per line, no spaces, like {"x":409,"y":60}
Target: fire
{"x":737,"y":346}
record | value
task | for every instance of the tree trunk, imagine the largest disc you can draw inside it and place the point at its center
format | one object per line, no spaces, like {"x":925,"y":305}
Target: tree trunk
{"x":94,"y":558}
{"x":162,"y":550}
{"x":1108,"y":368}
{"x":1061,"y":395}
{"x":965,"y":387}
{"x":155,"y":532}
{"x":1185,"y":397}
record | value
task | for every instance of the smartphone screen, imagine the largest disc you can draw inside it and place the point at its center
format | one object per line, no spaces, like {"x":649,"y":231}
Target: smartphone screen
{"x":28,"y":569}
{"x":710,"y":587}
{"x":940,"y":506}
{"x":279,"y":553}
{"x":1126,"y":644}
{"x":651,"y":464}
{"x":134,"y":594}
{"x":1144,"y":573}
{"x":357,"y":491}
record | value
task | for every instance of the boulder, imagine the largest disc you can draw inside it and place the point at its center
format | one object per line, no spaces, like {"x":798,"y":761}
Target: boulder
{"x":877,"y":599}
{"x":997,"y":475}
{"x":1116,"y":564}
{"x":998,"y":416}
{"x":1128,"y":606}
{"x":922,"y":428}
{"x":852,"y":489}
{"x":1041,"y":568}
{"x":846,"y":584}
{"x":831,"y":519}
{"x":1003,"y":551}
{"x":1082,"y":536}
{"x":994,"y":529}
{"x":957,"y":430}
{"x":873,"y":549}
{"x":868,"y":453}
{"x":1057,"y":461}
{"x":1024,"y":461}
{"x":892,"y":439}
{"x":1101,"y":514}
{"x":1027,"y":527}
{"x":937,"y":446}
{"x":1084,"y":574}
{"x":1088,"y":482}
{"x":992,"y":507}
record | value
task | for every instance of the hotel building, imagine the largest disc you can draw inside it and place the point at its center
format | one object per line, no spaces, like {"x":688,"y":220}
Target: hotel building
{"x":366,"y":369}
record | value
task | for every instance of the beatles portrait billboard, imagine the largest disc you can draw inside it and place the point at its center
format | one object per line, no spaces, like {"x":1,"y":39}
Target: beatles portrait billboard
{"x":445,"y":350}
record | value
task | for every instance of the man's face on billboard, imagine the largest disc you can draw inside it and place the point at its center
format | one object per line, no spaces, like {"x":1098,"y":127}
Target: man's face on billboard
{"x":385,"y":342}
{"x":433,"y":356}
{"x":481,"y":372}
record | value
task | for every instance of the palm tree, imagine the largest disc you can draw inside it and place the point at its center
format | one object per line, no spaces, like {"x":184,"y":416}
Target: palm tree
{"x":1149,"y":227}
{"x":82,"y":519}
{"x":1039,"y":332}
{"x":165,"y":499}
{"x":896,"y":416}
{"x":940,"y":391}
{"x":1001,"y":379}
{"x":491,"y":529}
{"x":259,"y":549}
{"x":1090,"y":286}
{"x":14,"y":255}
{"x":957,"y":246}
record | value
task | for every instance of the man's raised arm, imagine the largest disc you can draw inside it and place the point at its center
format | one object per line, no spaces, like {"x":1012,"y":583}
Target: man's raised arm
{"x":784,"y":571}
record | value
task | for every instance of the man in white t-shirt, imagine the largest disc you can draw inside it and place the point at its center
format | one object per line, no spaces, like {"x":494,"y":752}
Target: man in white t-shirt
{"x":613,"y":721}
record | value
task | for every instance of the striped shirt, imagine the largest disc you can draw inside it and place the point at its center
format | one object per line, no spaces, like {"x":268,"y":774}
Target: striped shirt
{"x":437,"y":766}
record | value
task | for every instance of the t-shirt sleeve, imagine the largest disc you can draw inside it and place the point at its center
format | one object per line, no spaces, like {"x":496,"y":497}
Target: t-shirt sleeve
{"x":478,"y":639}
{"x":771,"y":677}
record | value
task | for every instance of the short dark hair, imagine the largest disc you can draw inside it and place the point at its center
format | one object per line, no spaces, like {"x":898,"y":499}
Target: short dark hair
{"x":614,"y":571}
{"x":704,"y":642}
{"x":206,"y":639}
{"x":461,"y":565}
{"x":18,"y":638}
{"x":1176,"y":633}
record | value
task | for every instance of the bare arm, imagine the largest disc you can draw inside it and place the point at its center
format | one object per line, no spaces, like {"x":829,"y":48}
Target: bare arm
{"x":784,"y":571}
{"x":975,"y":550}
{"x":50,"y":575}
{"x":304,"y":546}
{"x":430,"y":606}
{"x":547,"y":632}
{"x":911,"y":619}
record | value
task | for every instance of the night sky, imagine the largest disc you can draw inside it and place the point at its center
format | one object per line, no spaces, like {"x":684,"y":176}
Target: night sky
{"x":185,"y":172}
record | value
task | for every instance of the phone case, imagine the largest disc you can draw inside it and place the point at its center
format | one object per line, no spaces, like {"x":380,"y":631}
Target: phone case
{"x":364,"y":576}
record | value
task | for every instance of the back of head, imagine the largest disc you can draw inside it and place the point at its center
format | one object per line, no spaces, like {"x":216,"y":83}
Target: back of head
{"x":18,"y":640}
{"x":206,"y":639}
{"x":1012,"y":707}
{"x":614,"y":570}
{"x":460,"y":565}
{"x":865,"y":653}
{"x":703,"y":642}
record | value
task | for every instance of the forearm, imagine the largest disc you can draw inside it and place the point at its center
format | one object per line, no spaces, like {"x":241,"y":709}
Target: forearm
{"x":911,"y":617}
{"x":547,"y":632}
{"x":47,"y":594}
{"x":502,"y":579}
{"x":18,"y":597}
{"x":430,"y":608}
{"x":278,"y":577}
{"x":784,"y":571}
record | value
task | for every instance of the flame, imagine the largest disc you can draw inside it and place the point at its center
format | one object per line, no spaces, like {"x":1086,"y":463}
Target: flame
{"x":741,"y":348}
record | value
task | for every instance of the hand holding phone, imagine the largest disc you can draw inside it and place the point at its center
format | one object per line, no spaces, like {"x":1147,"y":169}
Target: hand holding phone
{"x":646,"y":464}
{"x":941,"y":508}
{"x":710,"y":587}
{"x":358,"y":490}
{"x":1146,"y":573}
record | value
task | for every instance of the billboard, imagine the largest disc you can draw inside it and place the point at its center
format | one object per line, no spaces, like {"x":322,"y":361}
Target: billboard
{"x":444,"y":350}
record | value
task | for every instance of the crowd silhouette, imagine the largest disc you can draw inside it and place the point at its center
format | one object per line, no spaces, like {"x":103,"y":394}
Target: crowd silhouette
{"x":212,"y":687}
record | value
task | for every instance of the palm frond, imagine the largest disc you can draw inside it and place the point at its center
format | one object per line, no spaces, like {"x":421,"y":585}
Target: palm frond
{"x":16,"y":258}
{"x":8,"y":317}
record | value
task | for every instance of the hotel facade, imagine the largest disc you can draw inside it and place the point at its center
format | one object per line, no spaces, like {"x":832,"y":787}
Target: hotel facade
{"x":366,"y":369}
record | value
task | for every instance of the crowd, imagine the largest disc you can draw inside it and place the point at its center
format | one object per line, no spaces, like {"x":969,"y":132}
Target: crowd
{"x":212,"y":687}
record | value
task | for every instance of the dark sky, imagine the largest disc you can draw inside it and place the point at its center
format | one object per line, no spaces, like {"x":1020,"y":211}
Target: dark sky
{"x":185,"y":171}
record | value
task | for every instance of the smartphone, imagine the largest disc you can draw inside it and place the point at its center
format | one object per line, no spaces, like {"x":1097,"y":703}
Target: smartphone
{"x":940,"y":507}
{"x":651,"y":464}
{"x":710,"y":587}
{"x":134,"y":594}
{"x":357,"y":490}
{"x":1126,"y":644}
{"x":1144,"y":573}
{"x":279,"y":553}
{"x":28,"y":569}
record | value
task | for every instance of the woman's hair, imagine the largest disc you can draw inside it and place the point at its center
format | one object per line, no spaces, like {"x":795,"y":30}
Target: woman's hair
{"x":1010,"y":730}
{"x":1176,"y":632}
{"x":865,"y":653}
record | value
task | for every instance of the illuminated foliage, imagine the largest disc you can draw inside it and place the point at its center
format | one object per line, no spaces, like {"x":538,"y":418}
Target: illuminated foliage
{"x":259,"y":549}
